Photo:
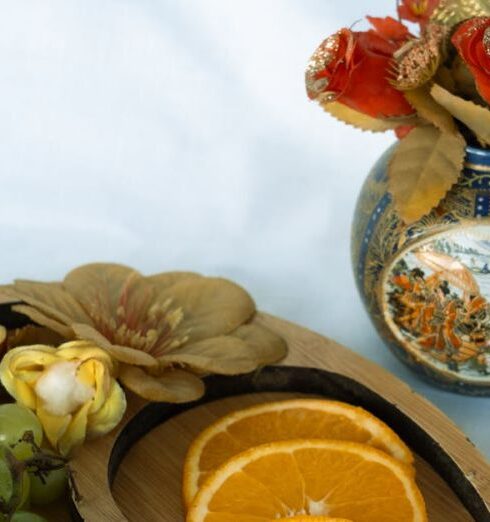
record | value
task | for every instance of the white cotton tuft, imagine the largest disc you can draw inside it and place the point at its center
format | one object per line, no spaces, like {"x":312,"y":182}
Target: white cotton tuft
{"x":60,"y":390}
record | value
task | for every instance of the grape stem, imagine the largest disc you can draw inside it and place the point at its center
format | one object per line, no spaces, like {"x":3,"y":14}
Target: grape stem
{"x":40,"y":464}
{"x":16,"y":468}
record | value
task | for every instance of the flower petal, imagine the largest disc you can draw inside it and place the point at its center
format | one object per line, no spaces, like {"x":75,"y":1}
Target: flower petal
{"x":247,"y":348}
{"x":212,"y":307}
{"x":54,"y":427}
{"x":167,"y":279}
{"x":102,"y":284}
{"x":172,"y":386}
{"x":267,"y":345}
{"x":31,"y":334}
{"x":123,"y":354}
{"x":110,"y":414}
{"x":42,"y":319}
{"x":76,"y":431}
{"x":49,"y":298}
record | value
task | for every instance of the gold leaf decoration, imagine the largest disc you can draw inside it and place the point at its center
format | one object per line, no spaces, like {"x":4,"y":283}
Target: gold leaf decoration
{"x":451,"y":12}
{"x":426,"y":107}
{"x":165,"y":330}
{"x":425,"y":165}
{"x":475,"y":117}
{"x":364,"y":122}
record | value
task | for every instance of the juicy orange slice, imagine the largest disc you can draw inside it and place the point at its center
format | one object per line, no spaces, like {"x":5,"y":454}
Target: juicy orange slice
{"x":310,"y":477}
{"x":284,"y":420}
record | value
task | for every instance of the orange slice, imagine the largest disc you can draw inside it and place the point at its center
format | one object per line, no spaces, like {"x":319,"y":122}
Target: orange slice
{"x":284,"y":420}
{"x":310,"y":519}
{"x":310,"y":477}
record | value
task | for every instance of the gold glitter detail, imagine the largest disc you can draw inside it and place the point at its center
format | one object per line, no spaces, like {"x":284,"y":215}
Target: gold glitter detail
{"x":320,"y":60}
{"x":451,"y":12}
{"x":327,"y":97}
{"x":418,"y":60}
{"x":486,"y":40}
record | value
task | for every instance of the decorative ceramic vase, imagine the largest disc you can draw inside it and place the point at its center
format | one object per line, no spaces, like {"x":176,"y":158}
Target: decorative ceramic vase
{"x":426,"y":285}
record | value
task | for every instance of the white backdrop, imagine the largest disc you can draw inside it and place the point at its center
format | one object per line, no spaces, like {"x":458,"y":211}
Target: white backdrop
{"x":166,"y":134}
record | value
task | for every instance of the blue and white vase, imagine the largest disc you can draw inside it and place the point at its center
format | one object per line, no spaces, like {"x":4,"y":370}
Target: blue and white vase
{"x":426,"y":285}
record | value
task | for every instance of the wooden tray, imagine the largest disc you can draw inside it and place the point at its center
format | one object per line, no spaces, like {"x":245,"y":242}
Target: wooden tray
{"x":142,"y":460}
{"x":134,"y":473}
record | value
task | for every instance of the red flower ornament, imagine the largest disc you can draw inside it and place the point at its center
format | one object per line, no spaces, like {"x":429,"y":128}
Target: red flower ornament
{"x":353,"y":68}
{"x":472,"y":40}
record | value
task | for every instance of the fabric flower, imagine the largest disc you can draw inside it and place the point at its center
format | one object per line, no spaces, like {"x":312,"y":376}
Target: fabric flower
{"x":166,"y":331}
{"x":353,"y":68}
{"x":472,"y":41}
{"x":418,"y":11}
{"x":71,"y":389}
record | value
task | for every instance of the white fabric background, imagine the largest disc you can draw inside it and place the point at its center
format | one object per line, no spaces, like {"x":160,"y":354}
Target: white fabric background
{"x":177,"y":134}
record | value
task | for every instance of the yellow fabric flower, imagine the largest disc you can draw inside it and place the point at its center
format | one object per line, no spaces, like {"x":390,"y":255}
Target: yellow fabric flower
{"x":71,"y":389}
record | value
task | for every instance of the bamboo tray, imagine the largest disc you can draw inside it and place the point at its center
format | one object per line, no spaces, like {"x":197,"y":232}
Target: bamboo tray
{"x":134,"y":473}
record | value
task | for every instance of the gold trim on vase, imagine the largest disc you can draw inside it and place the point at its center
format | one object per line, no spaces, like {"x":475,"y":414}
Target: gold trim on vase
{"x":477,"y":168}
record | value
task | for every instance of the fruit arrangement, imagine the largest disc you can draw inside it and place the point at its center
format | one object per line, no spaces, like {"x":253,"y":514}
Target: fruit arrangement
{"x":29,"y":474}
{"x":303,"y":460}
{"x":86,"y":342}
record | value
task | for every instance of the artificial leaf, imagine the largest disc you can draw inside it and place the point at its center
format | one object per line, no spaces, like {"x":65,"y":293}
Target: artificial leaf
{"x":426,"y":107}
{"x":423,"y":168}
{"x":365,"y":122}
{"x":173,"y":386}
{"x":475,"y":117}
{"x":451,"y":12}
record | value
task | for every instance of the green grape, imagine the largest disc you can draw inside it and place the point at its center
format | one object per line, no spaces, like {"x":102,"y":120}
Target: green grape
{"x":53,"y":487}
{"x":26,"y":516}
{"x":15,"y":420}
{"x":7,"y":483}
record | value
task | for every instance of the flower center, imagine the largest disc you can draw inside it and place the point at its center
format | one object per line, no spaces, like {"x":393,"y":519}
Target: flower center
{"x":60,"y":390}
{"x":419,"y":7}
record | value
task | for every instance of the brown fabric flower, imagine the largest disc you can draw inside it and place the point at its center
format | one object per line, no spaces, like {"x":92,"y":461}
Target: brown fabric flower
{"x":166,"y":330}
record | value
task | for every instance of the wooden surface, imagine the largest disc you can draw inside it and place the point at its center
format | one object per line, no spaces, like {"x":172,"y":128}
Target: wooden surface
{"x":157,"y":484}
{"x":147,"y":486}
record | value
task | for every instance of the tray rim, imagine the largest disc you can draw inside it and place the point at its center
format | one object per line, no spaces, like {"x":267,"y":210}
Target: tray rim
{"x":310,"y":381}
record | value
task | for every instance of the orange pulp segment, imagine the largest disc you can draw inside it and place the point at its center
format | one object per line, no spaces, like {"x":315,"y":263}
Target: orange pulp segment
{"x":284,"y":420}
{"x":310,"y":477}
